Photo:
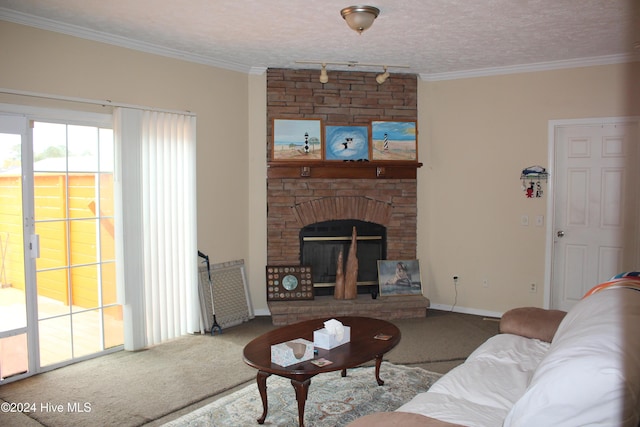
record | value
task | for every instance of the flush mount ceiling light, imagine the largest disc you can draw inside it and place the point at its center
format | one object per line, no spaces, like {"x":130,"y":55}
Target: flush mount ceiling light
{"x":360,"y":18}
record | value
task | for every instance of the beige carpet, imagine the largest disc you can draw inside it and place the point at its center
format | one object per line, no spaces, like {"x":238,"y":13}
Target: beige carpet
{"x":154,"y":386}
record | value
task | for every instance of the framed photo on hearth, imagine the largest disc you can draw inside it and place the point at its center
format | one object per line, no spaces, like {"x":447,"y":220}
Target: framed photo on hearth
{"x":297,"y":140}
{"x":399,"y":277}
{"x":289,"y":282}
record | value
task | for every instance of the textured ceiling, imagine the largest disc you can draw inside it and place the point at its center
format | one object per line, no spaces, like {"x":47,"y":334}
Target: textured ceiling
{"x":436,"y":38}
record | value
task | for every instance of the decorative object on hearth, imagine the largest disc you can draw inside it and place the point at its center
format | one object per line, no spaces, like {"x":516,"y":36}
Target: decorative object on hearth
{"x":394,"y":140}
{"x":338,"y":290}
{"x":399,"y":277}
{"x":288,"y":283}
{"x":533,"y":174}
{"x":360,"y":18}
{"x":351,"y":278}
{"x":297,"y":140}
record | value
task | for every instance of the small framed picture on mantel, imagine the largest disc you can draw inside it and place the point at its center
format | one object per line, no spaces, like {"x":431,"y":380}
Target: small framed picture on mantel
{"x":297,"y":140}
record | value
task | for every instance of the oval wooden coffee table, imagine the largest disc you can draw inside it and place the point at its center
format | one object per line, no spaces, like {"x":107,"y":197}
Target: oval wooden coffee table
{"x":362,"y":348}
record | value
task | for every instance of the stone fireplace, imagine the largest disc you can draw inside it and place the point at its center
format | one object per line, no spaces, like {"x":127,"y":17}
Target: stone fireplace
{"x":302,"y":196}
{"x":295,"y":204}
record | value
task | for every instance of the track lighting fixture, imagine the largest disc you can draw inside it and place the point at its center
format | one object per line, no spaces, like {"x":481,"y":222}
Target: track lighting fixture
{"x":323,"y":74}
{"x":381,"y":78}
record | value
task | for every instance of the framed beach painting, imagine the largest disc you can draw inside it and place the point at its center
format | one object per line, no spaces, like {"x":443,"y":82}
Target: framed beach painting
{"x":297,"y":139}
{"x":394,"y":141}
{"x":399,"y":277}
{"x":347,"y":143}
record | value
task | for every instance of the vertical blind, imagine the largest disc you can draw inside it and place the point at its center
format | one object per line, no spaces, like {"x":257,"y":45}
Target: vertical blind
{"x":156,"y":153}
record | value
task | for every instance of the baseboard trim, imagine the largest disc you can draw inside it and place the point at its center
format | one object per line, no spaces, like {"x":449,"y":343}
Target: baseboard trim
{"x":465,"y":310}
{"x":262,"y":312}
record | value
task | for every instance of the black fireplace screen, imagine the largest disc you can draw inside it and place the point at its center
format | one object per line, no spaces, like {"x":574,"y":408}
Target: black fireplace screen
{"x":320,"y":244}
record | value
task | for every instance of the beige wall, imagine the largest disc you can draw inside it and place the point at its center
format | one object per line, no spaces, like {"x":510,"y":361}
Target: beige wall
{"x":476,"y":135}
{"x":42,"y":61}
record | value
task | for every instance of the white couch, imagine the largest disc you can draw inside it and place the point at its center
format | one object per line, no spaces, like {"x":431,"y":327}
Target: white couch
{"x":588,"y":375}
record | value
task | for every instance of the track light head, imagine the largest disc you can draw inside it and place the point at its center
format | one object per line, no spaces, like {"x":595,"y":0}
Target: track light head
{"x":381,"y":78}
{"x":324,"y":78}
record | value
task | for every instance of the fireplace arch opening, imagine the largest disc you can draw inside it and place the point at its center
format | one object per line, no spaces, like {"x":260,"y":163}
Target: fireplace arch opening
{"x":321,"y":242}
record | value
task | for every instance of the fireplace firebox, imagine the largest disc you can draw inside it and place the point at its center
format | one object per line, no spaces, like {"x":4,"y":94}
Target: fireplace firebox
{"x":320,"y":244}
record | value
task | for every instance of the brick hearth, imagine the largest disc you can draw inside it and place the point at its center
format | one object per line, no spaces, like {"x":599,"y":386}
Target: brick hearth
{"x":386,"y":308}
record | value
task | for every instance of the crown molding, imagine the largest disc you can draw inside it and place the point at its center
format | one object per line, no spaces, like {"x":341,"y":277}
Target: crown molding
{"x":257,"y":71}
{"x":98,"y":36}
{"x":529,"y":68}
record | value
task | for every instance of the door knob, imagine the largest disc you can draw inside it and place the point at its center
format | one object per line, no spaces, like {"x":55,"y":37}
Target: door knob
{"x":560,"y":233}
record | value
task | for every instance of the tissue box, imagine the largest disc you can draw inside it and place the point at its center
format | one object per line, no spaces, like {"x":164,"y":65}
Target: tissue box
{"x":283,"y":354}
{"x":322,"y":338}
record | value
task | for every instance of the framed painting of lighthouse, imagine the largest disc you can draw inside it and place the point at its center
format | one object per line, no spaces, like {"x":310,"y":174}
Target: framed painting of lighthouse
{"x":394,"y":140}
{"x":297,"y":140}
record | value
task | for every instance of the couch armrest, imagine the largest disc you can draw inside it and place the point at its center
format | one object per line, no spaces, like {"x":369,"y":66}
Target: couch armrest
{"x":532,"y":322}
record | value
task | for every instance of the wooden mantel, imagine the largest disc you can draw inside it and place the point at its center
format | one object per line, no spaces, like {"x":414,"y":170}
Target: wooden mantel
{"x":337,"y":169}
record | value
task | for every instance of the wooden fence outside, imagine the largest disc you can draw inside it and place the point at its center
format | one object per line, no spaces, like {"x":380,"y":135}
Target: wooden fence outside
{"x":68,"y":268}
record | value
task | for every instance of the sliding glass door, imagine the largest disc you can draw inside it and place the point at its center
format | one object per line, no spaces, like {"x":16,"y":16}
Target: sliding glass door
{"x":57,"y":194}
{"x":78,"y":314}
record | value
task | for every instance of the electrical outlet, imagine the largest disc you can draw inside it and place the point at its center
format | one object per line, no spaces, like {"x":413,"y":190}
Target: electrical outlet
{"x":533,"y":288}
{"x":485,"y":283}
{"x":455,"y":280}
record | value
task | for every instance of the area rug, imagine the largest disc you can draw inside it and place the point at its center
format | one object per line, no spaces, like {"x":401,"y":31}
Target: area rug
{"x":332,"y":400}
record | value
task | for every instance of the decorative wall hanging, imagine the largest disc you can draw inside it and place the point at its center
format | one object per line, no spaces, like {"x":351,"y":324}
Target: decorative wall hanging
{"x":531,"y":181}
{"x":297,"y":139}
{"x":347,"y":143}
{"x":289,"y":282}
{"x":394,"y":141}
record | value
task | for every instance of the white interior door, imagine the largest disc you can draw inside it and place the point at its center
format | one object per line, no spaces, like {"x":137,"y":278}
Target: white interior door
{"x":595,"y":215}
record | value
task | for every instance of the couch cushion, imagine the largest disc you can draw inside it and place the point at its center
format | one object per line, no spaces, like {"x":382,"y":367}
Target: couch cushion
{"x":481,"y":391}
{"x":591,"y":374}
